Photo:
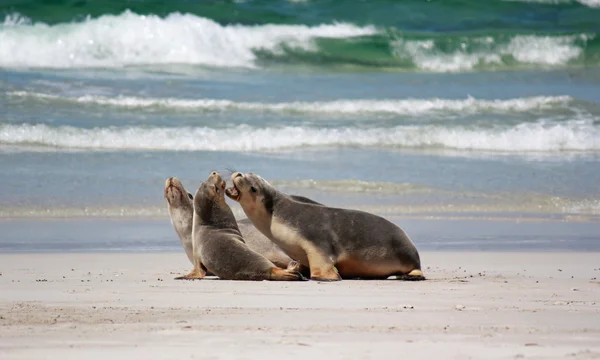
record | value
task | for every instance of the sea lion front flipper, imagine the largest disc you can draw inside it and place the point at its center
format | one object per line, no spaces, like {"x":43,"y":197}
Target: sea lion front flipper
{"x":198,"y":273}
{"x":322,"y":267}
{"x":193,"y":275}
{"x":279,"y":274}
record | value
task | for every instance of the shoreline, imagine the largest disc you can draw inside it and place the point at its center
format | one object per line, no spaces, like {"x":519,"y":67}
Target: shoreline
{"x":532,"y":217}
{"x":143,"y":235}
{"x":492,"y":305}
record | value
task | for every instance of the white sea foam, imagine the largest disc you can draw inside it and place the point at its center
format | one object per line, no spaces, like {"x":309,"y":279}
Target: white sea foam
{"x":590,"y":3}
{"x":355,"y":186}
{"x":526,"y":49}
{"x":545,"y":50}
{"x":573,"y":135}
{"x":358,"y":106}
{"x":586,"y":206}
{"x":131,"y":39}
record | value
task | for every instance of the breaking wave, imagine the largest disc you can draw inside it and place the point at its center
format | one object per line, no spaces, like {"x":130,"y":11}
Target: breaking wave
{"x":358,"y":106}
{"x":541,"y":136}
{"x":129,"y":39}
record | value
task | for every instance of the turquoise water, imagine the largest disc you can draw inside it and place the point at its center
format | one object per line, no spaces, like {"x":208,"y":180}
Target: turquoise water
{"x":413,"y":110}
{"x":422,"y":36}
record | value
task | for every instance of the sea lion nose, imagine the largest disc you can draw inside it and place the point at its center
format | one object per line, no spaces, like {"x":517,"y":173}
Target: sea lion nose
{"x":237,"y":174}
{"x":213,"y":173}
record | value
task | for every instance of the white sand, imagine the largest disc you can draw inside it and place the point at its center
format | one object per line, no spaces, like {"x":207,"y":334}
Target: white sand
{"x":127,"y":306}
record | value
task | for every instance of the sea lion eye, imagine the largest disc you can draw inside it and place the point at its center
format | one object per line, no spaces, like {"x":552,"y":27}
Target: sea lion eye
{"x":190,"y":196}
{"x":253,"y":189}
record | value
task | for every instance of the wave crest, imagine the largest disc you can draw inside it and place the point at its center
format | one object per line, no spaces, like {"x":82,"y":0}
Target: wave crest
{"x":131,"y":39}
{"x":575,"y":135}
{"x":352,"y":186}
{"x":346,"y":107}
{"x":464,"y":53}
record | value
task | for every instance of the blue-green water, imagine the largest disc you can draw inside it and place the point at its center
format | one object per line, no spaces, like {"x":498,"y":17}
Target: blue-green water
{"x":413,"y":109}
{"x":415,"y":35}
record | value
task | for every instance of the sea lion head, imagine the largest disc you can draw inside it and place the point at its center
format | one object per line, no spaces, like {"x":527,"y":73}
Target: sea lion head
{"x":209,"y":201}
{"x":251,"y":191}
{"x":175,"y":193}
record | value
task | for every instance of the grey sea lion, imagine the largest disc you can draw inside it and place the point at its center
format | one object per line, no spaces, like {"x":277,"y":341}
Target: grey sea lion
{"x":180,"y":204}
{"x":181,"y":212}
{"x":333,"y":242}
{"x":217,"y":240}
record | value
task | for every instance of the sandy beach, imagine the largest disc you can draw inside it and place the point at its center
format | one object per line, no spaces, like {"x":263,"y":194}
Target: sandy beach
{"x":479,"y":305}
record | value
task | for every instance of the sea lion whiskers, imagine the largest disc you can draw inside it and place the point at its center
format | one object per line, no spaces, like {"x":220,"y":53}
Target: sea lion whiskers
{"x":230,"y":171}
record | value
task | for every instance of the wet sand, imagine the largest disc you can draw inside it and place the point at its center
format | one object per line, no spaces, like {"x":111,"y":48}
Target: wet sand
{"x":486,"y":305}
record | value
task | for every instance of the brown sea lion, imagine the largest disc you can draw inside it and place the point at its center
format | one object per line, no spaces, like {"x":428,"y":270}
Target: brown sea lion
{"x":333,"y":242}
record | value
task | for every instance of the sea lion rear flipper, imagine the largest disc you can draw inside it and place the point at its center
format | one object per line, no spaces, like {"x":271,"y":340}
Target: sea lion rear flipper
{"x":414,"y":275}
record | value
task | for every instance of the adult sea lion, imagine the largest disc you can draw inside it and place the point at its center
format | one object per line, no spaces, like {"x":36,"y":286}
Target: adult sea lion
{"x":180,"y":204}
{"x":332,"y":242}
{"x":218,"y":241}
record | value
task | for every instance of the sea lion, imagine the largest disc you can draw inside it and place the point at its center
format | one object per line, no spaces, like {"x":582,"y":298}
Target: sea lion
{"x":217,"y":240}
{"x":332,"y":242}
{"x":181,"y":210}
{"x":180,"y":204}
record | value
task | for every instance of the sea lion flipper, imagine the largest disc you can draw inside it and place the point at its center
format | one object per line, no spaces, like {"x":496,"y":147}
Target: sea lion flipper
{"x":414,"y":275}
{"x":279,"y":274}
{"x":199,"y":272}
{"x":322,"y":267}
{"x":325,"y":275}
{"x":193,"y":275}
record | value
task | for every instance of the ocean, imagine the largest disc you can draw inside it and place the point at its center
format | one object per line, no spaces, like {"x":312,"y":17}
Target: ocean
{"x":472,"y":125}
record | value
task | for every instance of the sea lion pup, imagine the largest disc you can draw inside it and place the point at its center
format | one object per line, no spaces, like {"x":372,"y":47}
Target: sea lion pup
{"x":218,"y":241}
{"x":181,"y":211}
{"x":332,"y":242}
